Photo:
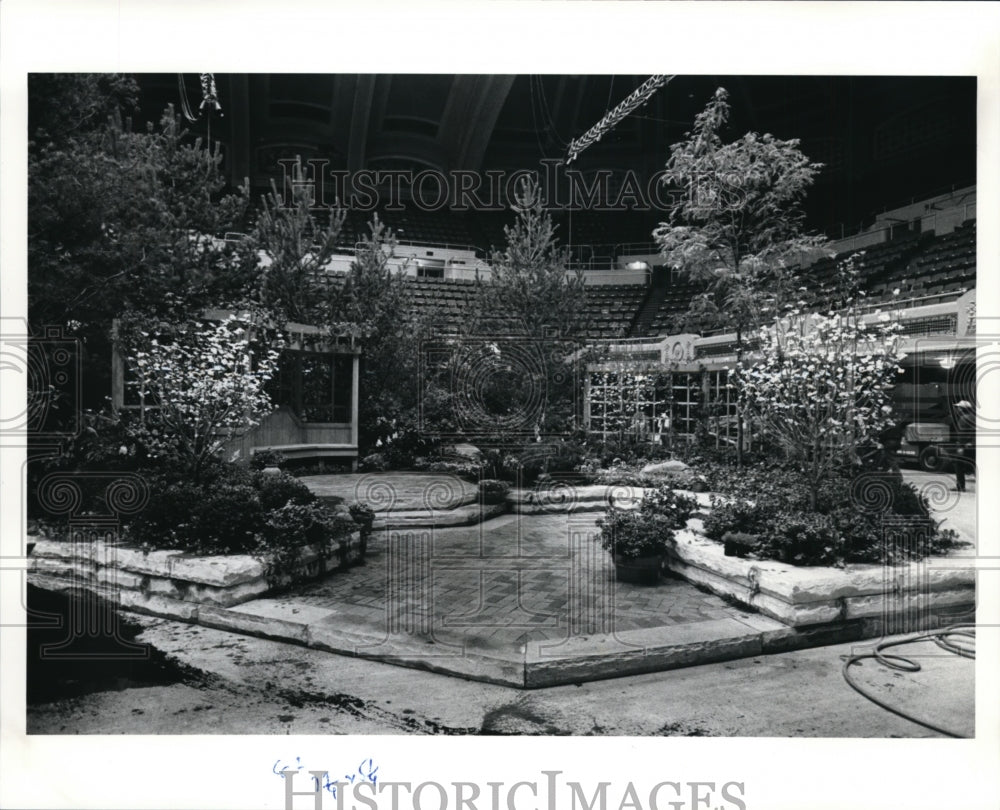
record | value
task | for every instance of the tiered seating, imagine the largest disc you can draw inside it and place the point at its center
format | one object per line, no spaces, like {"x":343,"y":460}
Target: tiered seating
{"x":611,"y":308}
{"x":924,"y":268}
{"x":445,"y":303}
{"x":676,"y":301}
{"x":948,"y":266}
{"x":881,"y":265}
{"x":435,"y":227}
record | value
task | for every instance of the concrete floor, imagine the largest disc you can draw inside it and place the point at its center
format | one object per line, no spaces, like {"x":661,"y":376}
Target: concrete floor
{"x":248,"y":685}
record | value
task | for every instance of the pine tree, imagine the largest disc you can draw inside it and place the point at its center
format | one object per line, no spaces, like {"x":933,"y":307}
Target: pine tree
{"x":296,"y":248}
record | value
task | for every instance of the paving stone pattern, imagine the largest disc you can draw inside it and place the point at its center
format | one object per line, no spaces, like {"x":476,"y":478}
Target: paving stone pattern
{"x":504,"y":582}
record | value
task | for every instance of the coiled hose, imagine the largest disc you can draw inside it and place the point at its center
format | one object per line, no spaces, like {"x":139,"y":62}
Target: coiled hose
{"x":957,"y":638}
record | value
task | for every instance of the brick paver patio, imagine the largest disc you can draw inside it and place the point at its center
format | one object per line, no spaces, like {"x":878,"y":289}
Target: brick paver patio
{"x":513,"y":579}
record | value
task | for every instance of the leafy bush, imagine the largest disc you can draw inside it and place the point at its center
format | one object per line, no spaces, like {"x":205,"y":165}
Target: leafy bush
{"x":742,"y":516}
{"x":622,"y":476}
{"x":267,"y":458}
{"x":296,"y":524}
{"x":548,"y":457}
{"x":288,"y":529}
{"x":847,"y":524}
{"x":634,"y":533}
{"x":221,"y":513}
{"x":213,"y":518}
{"x":277,"y":490}
{"x":493,"y":491}
{"x":804,"y":538}
{"x":361,"y":513}
{"x":665,"y":502}
{"x":374,"y":462}
{"x":466,"y":469}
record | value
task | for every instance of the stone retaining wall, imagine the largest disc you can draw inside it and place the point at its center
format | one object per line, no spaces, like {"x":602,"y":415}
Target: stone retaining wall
{"x":800,"y":596}
{"x":169,"y":583}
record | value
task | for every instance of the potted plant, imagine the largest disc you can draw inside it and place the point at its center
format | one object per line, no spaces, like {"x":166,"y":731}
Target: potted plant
{"x":364,"y":516}
{"x":639,"y":539}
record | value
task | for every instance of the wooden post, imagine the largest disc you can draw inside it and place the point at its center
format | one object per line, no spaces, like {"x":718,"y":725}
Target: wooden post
{"x":117,"y":370}
{"x":354,"y":408}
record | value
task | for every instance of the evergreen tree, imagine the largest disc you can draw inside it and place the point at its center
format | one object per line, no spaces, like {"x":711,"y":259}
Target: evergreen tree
{"x":296,"y":248}
{"x":537,"y":306}
{"x":375,"y":301}
{"x":530,"y":284}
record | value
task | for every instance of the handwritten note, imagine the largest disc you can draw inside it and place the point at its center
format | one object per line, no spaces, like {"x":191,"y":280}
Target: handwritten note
{"x":367,"y":771}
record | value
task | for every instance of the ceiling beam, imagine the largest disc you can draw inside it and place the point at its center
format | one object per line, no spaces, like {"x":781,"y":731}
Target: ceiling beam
{"x":364,"y":94}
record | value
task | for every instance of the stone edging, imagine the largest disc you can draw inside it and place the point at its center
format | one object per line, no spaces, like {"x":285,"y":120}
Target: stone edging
{"x":801,"y":595}
{"x":166,"y":581}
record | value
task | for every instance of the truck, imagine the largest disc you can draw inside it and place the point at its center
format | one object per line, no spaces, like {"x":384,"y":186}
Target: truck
{"x":923,"y":401}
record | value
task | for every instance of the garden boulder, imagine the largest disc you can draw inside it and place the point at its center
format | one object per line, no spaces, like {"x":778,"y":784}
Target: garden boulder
{"x":464,"y":450}
{"x":665,"y":469}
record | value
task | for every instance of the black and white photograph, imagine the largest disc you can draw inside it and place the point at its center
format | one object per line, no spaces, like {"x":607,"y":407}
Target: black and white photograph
{"x":368,"y":408}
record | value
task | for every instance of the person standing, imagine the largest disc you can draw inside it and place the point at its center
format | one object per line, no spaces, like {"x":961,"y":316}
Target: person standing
{"x":964,"y":436}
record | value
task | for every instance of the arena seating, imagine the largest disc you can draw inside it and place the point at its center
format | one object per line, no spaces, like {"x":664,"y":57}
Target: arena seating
{"x":923,"y":268}
{"x":611,"y":308}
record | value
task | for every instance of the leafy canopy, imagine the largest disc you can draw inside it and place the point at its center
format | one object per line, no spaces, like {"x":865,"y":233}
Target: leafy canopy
{"x":737,"y":224}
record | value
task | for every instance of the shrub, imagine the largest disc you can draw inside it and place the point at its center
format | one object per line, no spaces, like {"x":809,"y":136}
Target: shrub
{"x":468,"y":470}
{"x":664,"y":502}
{"x":277,"y":490}
{"x":215,"y":518}
{"x":227,"y":519}
{"x":622,"y":476}
{"x":633,"y":533}
{"x":288,"y":529}
{"x":295,"y":524}
{"x":267,"y":458}
{"x":737,"y":516}
{"x":803,"y":538}
{"x":846,"y":525}
{"x":548,"y":457}
{"x":361,"y":513}
{"x":648,"y":530}
{"x":492,"y":490}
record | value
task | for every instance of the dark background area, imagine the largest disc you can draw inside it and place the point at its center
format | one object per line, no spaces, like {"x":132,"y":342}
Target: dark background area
{"x":884,"y":140}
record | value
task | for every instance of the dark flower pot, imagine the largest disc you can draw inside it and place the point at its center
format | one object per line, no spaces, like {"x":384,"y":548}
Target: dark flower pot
{"x":639,"y":570}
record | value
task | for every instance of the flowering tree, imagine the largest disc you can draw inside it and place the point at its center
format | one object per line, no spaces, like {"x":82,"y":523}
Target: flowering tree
{"x":821,"y":389}
{"x":198,"y":387}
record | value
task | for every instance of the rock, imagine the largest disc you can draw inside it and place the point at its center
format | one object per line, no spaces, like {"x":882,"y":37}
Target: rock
{"x":667,"y":468}
{"x":464,"y":450}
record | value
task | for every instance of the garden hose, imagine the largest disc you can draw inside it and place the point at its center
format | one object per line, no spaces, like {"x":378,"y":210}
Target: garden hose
{"x":948,"y":638}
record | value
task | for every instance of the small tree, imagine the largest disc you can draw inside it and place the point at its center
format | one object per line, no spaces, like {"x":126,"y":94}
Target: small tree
{"x":737,"y":226}
{"x":822,"y":389}
{"x":297,"y":248}
{"x":532,"y":293}
{"x":530,"y":282}
{"x":375,"y":300}
{"x":199,"y":385}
